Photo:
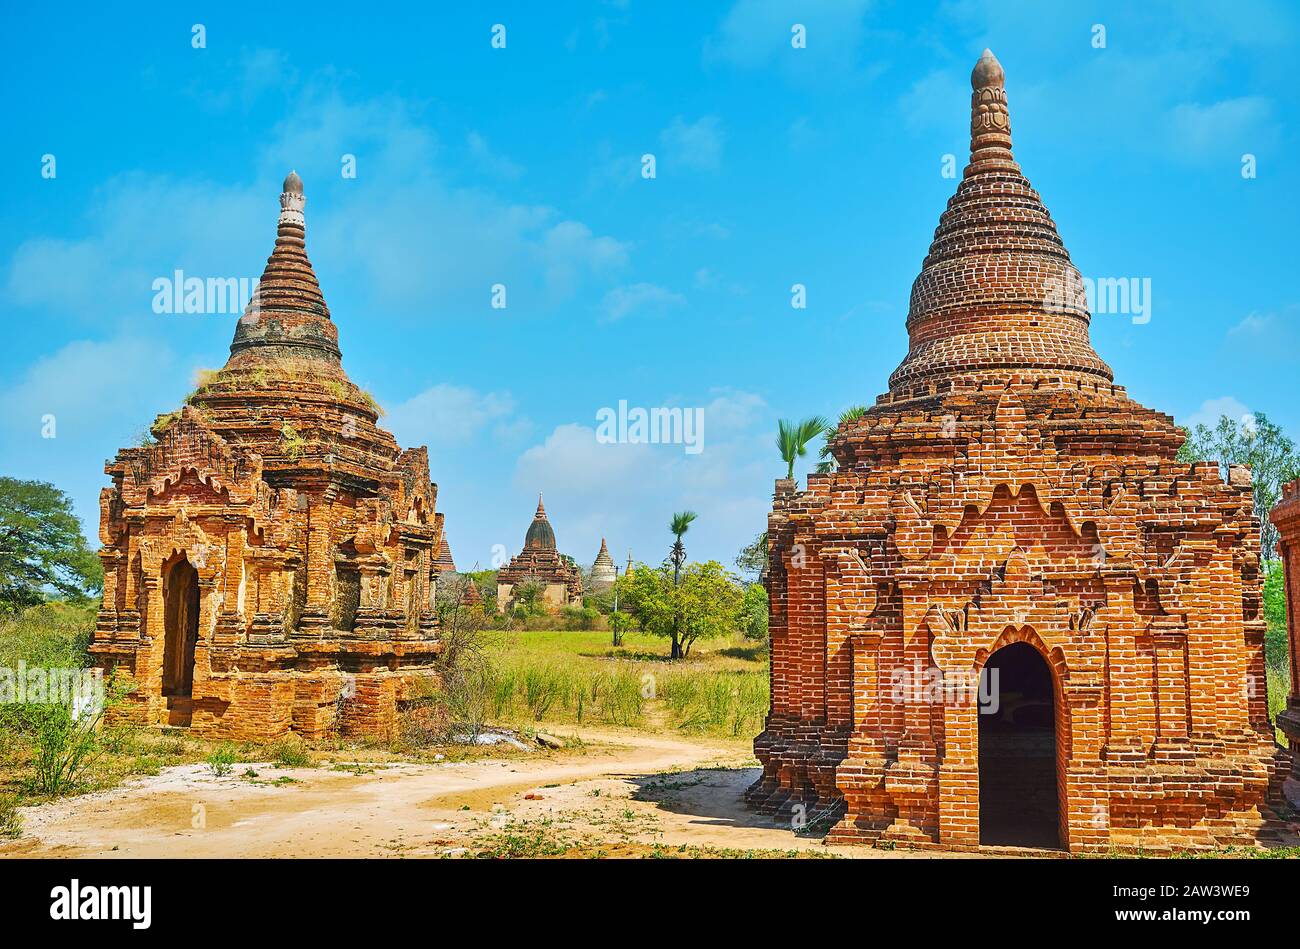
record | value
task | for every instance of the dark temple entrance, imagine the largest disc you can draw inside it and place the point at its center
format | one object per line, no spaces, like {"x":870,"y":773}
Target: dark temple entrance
{"x":181,"y":618}
{"x":1017,"y":752}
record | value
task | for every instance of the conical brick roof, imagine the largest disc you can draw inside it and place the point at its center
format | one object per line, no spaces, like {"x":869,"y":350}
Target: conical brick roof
{"x":540,"y":533}
{"x":997,"y":297}
{"x":288,"y":319}
{"x":283,"y":392}
{"x":603,"y":571}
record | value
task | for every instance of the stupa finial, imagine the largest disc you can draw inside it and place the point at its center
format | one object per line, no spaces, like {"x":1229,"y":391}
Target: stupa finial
{"x":990,"y":120}
{"x":292,"y":201}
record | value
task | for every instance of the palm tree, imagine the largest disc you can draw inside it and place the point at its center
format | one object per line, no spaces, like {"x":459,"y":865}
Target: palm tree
{"x":851,"y":414}
{"x":680,"y":523}
{"x":792,"y":438}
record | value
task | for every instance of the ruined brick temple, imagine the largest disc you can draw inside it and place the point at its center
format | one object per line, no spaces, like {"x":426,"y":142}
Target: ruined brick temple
{"x":542,"y":563}
{"x":1007,"y":516}
{"x":271,"y":557}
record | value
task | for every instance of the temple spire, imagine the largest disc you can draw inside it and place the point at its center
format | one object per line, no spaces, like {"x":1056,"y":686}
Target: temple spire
{"x":990,"y":120}
{"x":997,"y":299}
{"x":287,"y":319}
{"x":541,"y":511}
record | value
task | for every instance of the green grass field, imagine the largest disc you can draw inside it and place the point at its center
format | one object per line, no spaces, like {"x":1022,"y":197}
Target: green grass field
{"x":574,"y":677}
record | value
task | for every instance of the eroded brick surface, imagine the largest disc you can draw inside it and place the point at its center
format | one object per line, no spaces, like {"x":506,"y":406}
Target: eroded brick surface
{"x":1005,"y":490}
{"x":311,"y":538}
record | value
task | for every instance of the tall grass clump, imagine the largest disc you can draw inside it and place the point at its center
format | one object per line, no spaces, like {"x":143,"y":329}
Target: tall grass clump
{"x":733,"y":703}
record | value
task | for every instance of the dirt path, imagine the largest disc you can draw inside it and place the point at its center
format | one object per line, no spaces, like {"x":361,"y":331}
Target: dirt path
{"x":622,"y":795}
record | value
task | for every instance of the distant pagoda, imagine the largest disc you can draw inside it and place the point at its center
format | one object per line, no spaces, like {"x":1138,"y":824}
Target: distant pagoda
{"x":540,"y":562}
{"x":270,"y":560}
{"x":458,"y":586}
{"x":603,"y":571}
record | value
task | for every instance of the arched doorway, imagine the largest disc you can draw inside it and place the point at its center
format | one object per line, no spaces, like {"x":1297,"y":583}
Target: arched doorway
{"x":181,"y":619}
{"x":1017,"y":751}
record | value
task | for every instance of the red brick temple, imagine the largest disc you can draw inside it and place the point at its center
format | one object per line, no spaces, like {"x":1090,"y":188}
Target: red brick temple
{"x":1012,"y":617}
{"x":270,"y":558}
{"x":542,"y":563}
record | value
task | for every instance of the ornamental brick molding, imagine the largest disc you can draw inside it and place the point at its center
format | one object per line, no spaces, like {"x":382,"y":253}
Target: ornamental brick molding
{"x":271,"y":559}
{"x":1007,"y":515}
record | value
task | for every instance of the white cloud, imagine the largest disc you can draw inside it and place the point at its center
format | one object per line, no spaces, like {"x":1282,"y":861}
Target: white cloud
{"x":101,"y":395}
{"x":1212,"y":410}
{"x":490,"y":161}
{"x":1231,"y":125}
{"x":696,"y":145}
{"x":622,"y":301}
{"x":569,"y":251}
{"x":445,"y":416}
{"x":636,"y":487}
{"x":412,"y":235}
{"x":1254,"y":325}
{"x":1268,"y":337}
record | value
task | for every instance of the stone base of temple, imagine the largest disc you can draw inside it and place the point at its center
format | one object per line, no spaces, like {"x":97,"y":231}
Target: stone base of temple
{"x":262,"y":693}
{"x":1225,"y":794}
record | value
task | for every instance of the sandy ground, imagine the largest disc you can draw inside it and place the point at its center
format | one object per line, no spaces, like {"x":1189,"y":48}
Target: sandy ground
{"x":620,"y":795}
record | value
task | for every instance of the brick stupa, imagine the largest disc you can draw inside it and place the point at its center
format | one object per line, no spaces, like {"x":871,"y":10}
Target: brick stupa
{"x":1006,"y":509}
{"x":270,"y":559}
{"x":603,"y":571}
{"x":542,"y":563}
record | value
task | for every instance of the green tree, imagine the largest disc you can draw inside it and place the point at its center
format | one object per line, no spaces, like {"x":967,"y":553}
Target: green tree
{"x":753,"y":612}
{"x":527,"y":595}
{"x":679,"y":525}
{"x":486,"y":582}
{"x":1253,"y":441}
{"x":792,"y":438}
{"x":828,"y":463}
{"x":702,"y":602}
{"x":752,"y":559}
{"x":42,"y":549}
{"x":711,"y":602}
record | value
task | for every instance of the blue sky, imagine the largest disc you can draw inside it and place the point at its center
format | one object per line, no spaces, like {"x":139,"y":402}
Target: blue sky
{"x":521,"y":166}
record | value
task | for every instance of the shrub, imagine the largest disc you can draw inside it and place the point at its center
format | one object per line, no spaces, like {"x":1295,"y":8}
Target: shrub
{"x":222,"y":760}
{"x":580,"y":617}
{"x":65,"y":747}
{"x":289,"y":752}
{"x":542,"y":686}
{"x":11,"y":822}
{"x":454,"y":704}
